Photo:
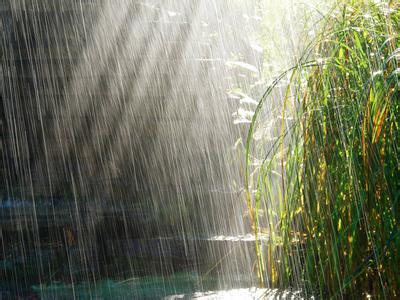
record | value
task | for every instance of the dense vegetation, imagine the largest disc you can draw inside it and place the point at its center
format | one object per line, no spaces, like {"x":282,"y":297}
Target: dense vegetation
{"x":333,"y":213}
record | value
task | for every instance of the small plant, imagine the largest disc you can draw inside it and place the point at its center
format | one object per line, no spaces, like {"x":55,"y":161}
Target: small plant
{"x":329,"y":186}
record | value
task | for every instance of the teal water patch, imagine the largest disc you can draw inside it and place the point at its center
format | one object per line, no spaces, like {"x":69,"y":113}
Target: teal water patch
{"x":154,"y":287}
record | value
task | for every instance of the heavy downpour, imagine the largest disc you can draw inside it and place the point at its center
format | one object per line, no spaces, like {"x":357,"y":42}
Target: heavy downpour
{"x":199,"y":149}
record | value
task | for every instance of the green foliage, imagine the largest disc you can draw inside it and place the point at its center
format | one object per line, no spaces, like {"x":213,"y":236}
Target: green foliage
{"x":333,"y":214}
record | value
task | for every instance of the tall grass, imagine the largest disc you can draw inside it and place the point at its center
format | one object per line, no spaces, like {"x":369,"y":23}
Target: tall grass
{"x":327,"y":191}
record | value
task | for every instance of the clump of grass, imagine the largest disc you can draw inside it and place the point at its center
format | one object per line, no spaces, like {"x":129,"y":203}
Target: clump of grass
{"x":333,"y":213}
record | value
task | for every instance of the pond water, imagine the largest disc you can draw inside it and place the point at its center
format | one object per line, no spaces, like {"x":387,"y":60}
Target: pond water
{"x":179,"y":285}
{"x":157,"y":268}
